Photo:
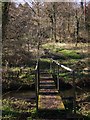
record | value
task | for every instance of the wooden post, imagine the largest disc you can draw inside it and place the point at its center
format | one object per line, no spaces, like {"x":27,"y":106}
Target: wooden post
{"x":38,"y":74}
{"x":74,"y":93}
{"x":50,"y":66}
{"x":37,"y":77}
{"x":53,"y":68}
{"x":36,"y":88}
{"x":58,"y":77}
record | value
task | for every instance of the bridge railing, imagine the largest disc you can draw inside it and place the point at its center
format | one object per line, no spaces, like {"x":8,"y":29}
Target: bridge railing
{"x":37,"y":77}
{"x":58,"y":81}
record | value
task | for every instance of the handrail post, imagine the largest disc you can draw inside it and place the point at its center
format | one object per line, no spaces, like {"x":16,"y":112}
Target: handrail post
{"x":51,"y":66}
{"x":36,"y":88}
{"x":74,"y":93}
{"x":38,"y":70}
{"x":58,"y":82}
{"x":58,"y":77}
{"x":37,"y":77}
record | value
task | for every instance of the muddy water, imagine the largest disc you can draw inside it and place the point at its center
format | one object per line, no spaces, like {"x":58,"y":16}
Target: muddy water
{"x":20,"y":95}
{"x":31,"y":94}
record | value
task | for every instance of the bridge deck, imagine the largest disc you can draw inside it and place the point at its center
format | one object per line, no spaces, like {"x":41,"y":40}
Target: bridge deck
{"x":49,"y":97}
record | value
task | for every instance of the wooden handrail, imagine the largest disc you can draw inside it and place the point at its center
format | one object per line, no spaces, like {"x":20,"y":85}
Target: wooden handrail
{"x":36,"y":67}
{"x":55,"y":62}
{"x":63,"y":66}
{"x":73,"y":75}
{"x":67,"y":68}
{"x":37,"y":73}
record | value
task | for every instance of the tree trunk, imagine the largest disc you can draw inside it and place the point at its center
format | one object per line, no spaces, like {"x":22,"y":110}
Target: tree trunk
{"x":5,"y":10}
{"x":77,"y":29}
{"x":54,"y":21}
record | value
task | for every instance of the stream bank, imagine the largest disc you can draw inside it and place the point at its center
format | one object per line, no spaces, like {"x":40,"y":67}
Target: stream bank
{"x":22,"y":104}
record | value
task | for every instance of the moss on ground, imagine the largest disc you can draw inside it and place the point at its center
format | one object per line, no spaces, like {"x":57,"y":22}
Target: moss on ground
{"x":16,"y":108}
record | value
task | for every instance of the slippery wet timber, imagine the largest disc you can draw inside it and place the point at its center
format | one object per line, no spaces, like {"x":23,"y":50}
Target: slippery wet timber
{"x":49,"y":102}
{"x":49,"y":97}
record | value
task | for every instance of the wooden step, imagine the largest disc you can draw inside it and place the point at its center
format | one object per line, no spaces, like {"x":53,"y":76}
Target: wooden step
{"x":46,"y":78}
{"x":46,"y":74}
{"x":48,"y":91}
{"x":47,"y":82}
{"x":47,"y":86}
{"x":50,"y":102}
{"x":49,"y":97}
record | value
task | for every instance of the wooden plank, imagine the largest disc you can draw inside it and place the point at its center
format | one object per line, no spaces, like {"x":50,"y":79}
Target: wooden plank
{"x":47,"y":82}
{"x":48,"y":91}
{"x":48,"y":95}
{"x":50,"y":102}
{"x":49,"y":86}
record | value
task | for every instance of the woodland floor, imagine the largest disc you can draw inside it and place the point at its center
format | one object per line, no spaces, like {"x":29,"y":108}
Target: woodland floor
{"x":25,"y":109}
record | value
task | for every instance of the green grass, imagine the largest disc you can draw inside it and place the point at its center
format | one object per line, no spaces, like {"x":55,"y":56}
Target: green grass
{"x":71,"y":54}
{"x":14,"y":69}
{"x":65,"y":76}
{"x":22,"y":76}
{"x":67,"y":52}
{"x":44,"y":63}
{"x":14,"y":108}
{"x":45,"y":60}
{"x":8,"y":110}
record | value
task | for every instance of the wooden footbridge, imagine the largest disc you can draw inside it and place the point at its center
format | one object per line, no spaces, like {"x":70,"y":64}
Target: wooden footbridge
{"x":47,"y":88}
{"x":49,"y":97}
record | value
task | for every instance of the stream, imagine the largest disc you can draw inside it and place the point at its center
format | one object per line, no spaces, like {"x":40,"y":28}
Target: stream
{"x":82,"y":98}
{"x":25,"y":95}
{"x":28,"y":94}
